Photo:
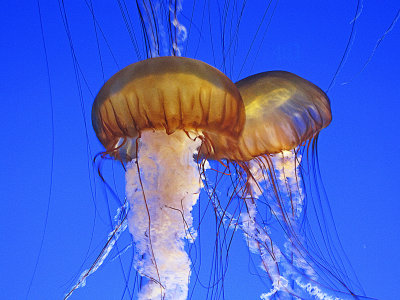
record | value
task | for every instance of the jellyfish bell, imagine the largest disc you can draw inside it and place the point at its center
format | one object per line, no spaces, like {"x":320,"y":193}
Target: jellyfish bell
{"x":165,"y":93}
{"x":283,"y":111}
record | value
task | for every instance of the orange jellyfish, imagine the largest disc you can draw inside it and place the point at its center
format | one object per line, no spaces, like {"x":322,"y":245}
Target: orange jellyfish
{"x":165,"y":118}
{"x":154,"y":115}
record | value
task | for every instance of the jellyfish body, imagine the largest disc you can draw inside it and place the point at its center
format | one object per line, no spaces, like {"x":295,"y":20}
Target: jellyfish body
{"x":157,"y":114}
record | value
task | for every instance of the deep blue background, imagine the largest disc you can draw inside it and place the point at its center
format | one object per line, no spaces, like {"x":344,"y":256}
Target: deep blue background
{"x":359,"y":151}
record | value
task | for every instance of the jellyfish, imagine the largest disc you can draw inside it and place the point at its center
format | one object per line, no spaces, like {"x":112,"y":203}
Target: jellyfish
{"x":164,"y":118}
{"x":154,"y":115}
{"x":251,"y":164}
